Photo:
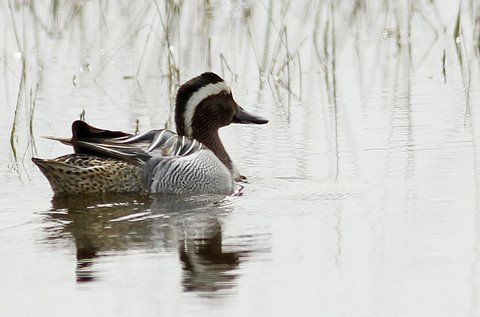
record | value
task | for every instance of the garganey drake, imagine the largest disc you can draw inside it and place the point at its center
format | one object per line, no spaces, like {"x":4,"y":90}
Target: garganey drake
{"x":193,"y":161}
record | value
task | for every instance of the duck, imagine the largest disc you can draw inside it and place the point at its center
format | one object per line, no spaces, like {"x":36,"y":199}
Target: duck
{"x":191,"y":161}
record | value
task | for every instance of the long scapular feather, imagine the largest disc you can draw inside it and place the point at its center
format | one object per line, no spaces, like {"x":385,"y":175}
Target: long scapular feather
{"x":134,"y":149}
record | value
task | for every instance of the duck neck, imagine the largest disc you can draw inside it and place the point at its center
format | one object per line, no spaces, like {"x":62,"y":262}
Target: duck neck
{"x":213,"y":142}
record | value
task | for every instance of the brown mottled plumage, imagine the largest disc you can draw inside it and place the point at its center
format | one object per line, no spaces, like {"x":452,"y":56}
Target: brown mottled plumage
{"x":86,"y":174}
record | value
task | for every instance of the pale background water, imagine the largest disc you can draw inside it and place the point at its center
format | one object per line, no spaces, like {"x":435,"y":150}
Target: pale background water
{"x":363,"y":187}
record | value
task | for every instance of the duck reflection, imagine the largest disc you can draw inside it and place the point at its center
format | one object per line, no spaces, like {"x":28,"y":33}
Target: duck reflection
{"x":206,"y":267}
{"x":109,"y":225}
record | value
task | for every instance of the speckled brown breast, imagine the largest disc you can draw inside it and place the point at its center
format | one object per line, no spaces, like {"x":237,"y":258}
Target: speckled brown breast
{"x":83,"y":174}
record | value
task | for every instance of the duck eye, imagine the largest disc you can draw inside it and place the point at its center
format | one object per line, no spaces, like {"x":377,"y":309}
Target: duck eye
{"x":223,"y":93}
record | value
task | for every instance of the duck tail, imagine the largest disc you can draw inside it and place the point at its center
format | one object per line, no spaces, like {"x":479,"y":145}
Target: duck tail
{"x":61,"y":176}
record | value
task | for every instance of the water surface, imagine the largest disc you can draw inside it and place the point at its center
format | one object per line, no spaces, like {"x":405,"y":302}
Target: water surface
{"x":362,"y":189}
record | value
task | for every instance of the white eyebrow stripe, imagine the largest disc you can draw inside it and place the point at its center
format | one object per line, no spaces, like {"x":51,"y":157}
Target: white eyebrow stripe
{"x":197,"y":97}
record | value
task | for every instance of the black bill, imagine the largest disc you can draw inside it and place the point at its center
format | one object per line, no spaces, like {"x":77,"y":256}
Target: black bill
{"x":244,"y":117}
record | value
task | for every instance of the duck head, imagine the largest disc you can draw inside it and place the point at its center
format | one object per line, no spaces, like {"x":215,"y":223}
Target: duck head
{"x":204,"y":104}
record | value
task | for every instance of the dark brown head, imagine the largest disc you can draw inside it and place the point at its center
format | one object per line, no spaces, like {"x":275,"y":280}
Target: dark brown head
{"x":205,"y":104}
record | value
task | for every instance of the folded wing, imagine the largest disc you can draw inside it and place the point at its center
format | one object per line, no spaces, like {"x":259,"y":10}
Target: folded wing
{"x":134,"y":149}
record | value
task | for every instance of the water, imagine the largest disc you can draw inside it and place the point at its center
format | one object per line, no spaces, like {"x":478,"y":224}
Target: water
{"x":362,"y":189}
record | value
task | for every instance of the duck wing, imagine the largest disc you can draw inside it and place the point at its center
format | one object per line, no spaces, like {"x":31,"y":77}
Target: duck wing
{"x":134,"y":149}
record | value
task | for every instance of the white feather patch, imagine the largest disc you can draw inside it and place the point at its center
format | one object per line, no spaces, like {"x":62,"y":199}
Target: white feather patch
{"x":197,"y":97}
